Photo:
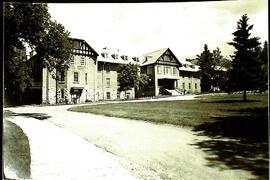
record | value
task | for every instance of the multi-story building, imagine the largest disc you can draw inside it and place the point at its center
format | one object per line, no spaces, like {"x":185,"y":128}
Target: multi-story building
{"x":93,"y":77}
{"x":168,"y":75}
{"x":107,"y":84}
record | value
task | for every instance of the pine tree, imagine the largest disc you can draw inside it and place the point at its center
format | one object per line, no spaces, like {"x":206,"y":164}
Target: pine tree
{"x":206,"y":63}
{"x":245,"y":65}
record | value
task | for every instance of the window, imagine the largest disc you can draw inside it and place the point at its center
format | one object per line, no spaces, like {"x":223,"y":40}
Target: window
{"x":62,"y":75}
{"x":174,"y":70}
{"x":166,"y":58}
{"x":108,"y":82}
{"x":183,"y":85}
{"x":105,"y":55}
{"x":72,"y":60}
{"x":85,"y":78}
{"x":159,"y":70}
{"x":189,"y":85}
{"x":195,"y":85}
{"x":108,"y":95}
{"x":124,"y":57}
{"x":107,"y":68}
{"x":167,"y":70}
{"x":82,"y":61}
{"x":76,"y":77}
{"x":62,"y":93}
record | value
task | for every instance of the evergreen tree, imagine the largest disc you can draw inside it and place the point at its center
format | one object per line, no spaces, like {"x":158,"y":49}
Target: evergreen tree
{"x":264,"y":66}
{"x":206,"y":63}
{"x":245,"y":65}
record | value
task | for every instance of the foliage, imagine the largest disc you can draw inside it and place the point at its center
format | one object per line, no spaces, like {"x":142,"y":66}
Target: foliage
{"x":246,"y":65}
{"x":30,"y":24}
{"x":129,"y":77}
{"x":206,"y":63}
{"x":264,"y":67}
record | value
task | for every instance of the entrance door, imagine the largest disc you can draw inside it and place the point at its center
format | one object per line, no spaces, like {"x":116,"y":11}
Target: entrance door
{"x":166,"y":83}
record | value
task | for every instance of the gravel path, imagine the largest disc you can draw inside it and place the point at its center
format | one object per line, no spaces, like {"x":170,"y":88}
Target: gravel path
{"x":147,"y":150}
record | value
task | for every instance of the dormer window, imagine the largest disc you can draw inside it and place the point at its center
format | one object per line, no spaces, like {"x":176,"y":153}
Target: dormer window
{"x":124,"y":57}
{"x":105,"y":55}
{"x":115,"y":56}
{"x":136,"y":59}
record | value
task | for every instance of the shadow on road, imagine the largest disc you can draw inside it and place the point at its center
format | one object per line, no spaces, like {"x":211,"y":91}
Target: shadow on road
{"x":40,"y":116}
{"x":238,"y":142}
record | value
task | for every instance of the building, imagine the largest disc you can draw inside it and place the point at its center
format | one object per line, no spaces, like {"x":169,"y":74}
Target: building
{"x":76,"y":85}
{"x":107,"y":84}
{"x":93,"y":77}
{"x":168,"y":75}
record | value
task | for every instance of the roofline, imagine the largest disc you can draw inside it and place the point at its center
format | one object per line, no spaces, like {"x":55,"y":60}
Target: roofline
{"x":86,"y":43}
{"x":155,"y":51}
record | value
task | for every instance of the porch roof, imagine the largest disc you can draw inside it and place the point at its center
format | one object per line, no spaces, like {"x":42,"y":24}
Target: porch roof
{"x":167,"y":76}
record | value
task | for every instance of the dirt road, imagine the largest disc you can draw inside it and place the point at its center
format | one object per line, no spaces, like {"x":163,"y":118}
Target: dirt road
{"x":149,"y":151}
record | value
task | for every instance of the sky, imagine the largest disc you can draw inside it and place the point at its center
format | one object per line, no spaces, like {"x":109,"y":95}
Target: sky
{"x":140,"y":28}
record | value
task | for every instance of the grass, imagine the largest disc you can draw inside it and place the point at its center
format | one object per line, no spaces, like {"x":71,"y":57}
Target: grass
{"x":237,"y":130}
{"x":16,"y":149}
{"x":183,"y":113}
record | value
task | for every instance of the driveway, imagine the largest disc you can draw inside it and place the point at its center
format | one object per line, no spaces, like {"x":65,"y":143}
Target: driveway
{"x":147,"y":150}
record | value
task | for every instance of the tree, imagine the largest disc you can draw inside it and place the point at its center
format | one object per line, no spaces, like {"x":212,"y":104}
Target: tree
{"x":206,"y":63}
{"x":245,"y":65}
{"x":264,"y":66}
{"x":221,"y":64}
{"x":30,"y":24}
{"x":129,"y":77}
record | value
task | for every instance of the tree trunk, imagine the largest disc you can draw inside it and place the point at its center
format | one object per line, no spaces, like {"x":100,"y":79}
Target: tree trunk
{"x":245,"y":95}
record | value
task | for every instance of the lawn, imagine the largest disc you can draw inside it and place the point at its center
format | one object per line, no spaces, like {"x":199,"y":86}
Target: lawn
{"x":183,"y":113}
{"x":16,"y":149}
{"x":236,"y":131}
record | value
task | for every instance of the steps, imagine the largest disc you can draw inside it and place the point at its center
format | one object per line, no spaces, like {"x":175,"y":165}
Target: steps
{"x":174,"y":92}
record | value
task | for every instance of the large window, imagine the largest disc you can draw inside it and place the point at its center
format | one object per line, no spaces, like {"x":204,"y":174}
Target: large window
{"x":76,"y":77}
{"x":189,"y":85}
{"x":183,"y":86}
{"x":108,"y":82}
{"x":196,"y":86}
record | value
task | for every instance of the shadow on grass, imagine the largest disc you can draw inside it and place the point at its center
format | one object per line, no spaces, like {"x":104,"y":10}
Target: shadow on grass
{"x":40,"y":116}
{"x":16,"y":152}
{"x":231,"y":101}
{"x":238,"y":142}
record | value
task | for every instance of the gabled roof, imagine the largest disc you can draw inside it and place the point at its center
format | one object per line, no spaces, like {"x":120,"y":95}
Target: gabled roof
{"x":152,"y":57}
{"x":83,"y":41}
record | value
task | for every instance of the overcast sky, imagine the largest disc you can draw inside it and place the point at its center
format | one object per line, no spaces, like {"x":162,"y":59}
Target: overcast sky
{"x":140,"y":28}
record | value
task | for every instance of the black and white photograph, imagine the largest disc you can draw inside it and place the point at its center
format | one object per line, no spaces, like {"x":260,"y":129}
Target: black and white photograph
{"x":135,"y":90}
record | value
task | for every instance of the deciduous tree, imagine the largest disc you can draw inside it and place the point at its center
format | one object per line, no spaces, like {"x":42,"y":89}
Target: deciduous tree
{"x":129,"y":77}
{"x":30,"y":24}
